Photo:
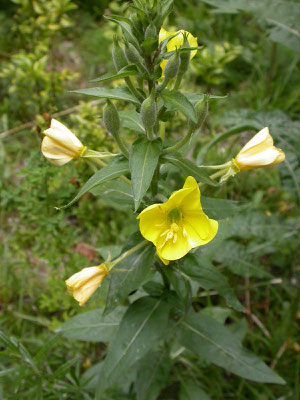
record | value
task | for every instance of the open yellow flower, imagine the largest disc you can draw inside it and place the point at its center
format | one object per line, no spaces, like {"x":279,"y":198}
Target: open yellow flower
{"x":259,"y":152}
{"x":60,"y":145}
{"x":176,"y":42}
{"x":85,"y":282}
{"x":179,"y":225}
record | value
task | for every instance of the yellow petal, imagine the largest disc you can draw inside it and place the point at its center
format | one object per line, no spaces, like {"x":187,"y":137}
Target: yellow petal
{"x":166,"y":262}
{"x":259,"y":152}
{"x":199,"y":228}
{"x":55,"y":153}
{"x":173,"y":251}
{"x":152,"y":221}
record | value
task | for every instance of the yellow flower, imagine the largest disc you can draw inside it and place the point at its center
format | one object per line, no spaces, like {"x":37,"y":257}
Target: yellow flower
{"x":259,"y":152}
{"x":85,"y":282}
{"x":60,"y":145}
{"x":176,"y":42}
{"x":179,"y":225}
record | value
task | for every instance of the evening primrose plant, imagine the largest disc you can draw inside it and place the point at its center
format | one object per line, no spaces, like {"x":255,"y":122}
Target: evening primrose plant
{"x":151,"y":317}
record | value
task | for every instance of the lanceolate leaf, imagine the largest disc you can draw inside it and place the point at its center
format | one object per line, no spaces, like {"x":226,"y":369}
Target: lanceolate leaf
{"x":120,"y":93}
{"x":143,"y":326}
{"x":208,"y":277}
{"x":189,"y":390}
{"x":178,"y":101}
{"x":152,"y":376}
{"x":92,"y":325}
{"x":132,"y":120}
{"x":128,"y":70}
{"x":111,"y":171}
{"x":208,"y":338}
{"x":220,"y":209}
{"x":126,"y":26}
{"x":135,"y":270}
{"x":189,"y":168}
{"x":116,"y":193}
{"x":143,"y":161}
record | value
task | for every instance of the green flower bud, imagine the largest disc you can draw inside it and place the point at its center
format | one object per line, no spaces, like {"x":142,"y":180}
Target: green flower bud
{"x":149,"y":112}
{"x":132,"y":54}
{"x":201,"y":109}
{"x":172,"y":66}
{"x":184,"y":57}
{"x":151,"y":31}
{"x":118,"y":56}
{"x":111,"y":118}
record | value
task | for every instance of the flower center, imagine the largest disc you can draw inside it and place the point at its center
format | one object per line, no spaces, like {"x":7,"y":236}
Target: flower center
{"x":174,"y":216}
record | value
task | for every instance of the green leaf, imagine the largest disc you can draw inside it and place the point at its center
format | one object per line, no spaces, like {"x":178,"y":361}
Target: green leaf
{"x":220,"y":209}
{"x":189,"y":390}
{"x":126,"y":25}
{"x":208,"y":277}
{"x":128,"y":70}
{"x":236,"y":258}
{"x":92,"y":326}
{"x":120,"y":93}
{"x":187,"y":167}
{"x":195,"y":97}
{"x":178,"y":101}
{"x":132,"y":120}
{"x":143,"y":326}
{"x":136,"y":270}
{"x":152,"y":376}
{"x":208,"y":338}
{"x":143,"y":162}
{"x":111,"y":171}
{"x":117,"y":194}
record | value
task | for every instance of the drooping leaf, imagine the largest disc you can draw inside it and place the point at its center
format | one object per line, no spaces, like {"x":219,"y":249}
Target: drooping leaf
{"x":201,"y":270}
{"x":143,"y":326}
{"x":208,"y":338}
{"x":135,"y":270}
{"x":152,"y":376}
{"x":189,"y":168}
{"x":143,"y":162}
{"x":189,"y":390}
{"x":178,"y":101}
{"x":128,"y":70}
{"x":116,"y":193}
{"x":120,"y":93}
{"x":113,"y":170}
{"x":92,"y":326}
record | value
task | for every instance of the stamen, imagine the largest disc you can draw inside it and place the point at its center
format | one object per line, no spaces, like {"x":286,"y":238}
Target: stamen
{"x":184,"y":232}
{"x":175,"y":238}
{"x":165,"y":232}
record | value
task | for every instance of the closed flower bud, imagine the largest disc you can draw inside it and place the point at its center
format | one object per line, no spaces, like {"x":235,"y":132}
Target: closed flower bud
{"x":84,"y":283}
{"x":132,"y":54}
{"x":259,"y":152}
{"x":172,"y":66}
{"x":184,"y":57}
{"x":177,"y":42}
{"x":118,"y":56}
{"x":149,"y":112}
{"x":60,"y":145}
{"x":111,"y":118}
{"x":151,"y":31}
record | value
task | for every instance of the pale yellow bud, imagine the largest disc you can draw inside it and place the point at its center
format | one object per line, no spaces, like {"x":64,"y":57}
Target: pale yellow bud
{"x":60,"y":145}
{"x":259,"y":152}
{"x":84,"y":283}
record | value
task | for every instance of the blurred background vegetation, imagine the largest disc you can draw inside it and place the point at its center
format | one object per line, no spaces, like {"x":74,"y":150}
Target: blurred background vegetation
{"x":251,"y":55}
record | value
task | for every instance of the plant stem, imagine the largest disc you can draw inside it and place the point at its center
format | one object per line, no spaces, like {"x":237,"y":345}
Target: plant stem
{"x":133,"y":89}
{"x":163,"y":85}
{"x":179,"y":144}
{"x":121,"y":145}
{"x":127,"y":254}
{"x":215,"y":175}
